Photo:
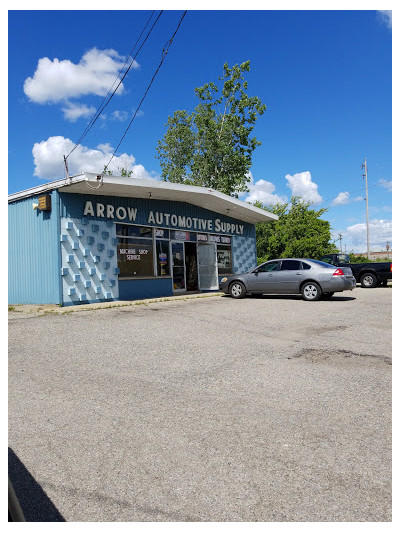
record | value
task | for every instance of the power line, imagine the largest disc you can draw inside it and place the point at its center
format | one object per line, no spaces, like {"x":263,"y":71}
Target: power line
{"x":164,"y":55}
{"x":101,"y":106}
{"x":126,"y":61}
{"x":107,"y":100}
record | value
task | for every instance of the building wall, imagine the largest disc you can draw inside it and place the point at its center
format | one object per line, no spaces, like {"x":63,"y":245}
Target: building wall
{"x":65,"y":257}
{"x":138,"y":289}
{"x":244,"y":251}
{"x":73,"y":206}
{"x":244,"y":248}
{"x":88,"y":261}
{"x":33,"y":253}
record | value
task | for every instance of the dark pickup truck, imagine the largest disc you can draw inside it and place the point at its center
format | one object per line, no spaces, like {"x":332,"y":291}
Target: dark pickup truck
{"x":368,"y":274}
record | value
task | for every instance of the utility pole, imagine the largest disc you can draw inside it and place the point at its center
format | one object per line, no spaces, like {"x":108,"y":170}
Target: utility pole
{"x":340,"y":238}
{"x":365,"y":175}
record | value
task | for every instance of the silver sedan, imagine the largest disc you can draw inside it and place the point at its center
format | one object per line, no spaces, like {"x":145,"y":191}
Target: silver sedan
{"x":310,"y":278}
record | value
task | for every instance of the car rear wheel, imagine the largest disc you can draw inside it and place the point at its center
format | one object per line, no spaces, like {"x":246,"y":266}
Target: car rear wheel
{"x":237,"y":290}
{"x":368,"y":281}
{"x":311,"y":291}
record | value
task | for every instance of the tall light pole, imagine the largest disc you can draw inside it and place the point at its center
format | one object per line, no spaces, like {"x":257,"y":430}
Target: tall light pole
{"x":365,"y":175}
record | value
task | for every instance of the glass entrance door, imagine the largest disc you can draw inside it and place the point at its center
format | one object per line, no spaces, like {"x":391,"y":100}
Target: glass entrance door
{"x":178,"y":266}
{"x":207,"y":266}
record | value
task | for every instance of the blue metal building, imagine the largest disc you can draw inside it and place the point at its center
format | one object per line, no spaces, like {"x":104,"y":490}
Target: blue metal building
{"x":92,"y":238}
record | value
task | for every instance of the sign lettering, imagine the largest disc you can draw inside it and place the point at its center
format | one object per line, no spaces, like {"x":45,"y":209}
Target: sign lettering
{"x":156,"y":218}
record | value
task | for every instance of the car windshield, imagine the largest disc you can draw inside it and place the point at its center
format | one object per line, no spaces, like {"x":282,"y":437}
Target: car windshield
{"x":320,"y":263}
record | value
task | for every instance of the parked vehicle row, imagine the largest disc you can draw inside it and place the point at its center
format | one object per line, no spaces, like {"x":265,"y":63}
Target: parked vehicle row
{"x":311,"y":278}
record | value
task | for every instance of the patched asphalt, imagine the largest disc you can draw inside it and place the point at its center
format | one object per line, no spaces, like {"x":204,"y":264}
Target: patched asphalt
{"x":266,"y":409}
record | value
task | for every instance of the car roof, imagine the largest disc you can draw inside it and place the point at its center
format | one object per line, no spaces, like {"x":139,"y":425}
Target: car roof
{"x":315,"y":262}
{"x":290,"y":259}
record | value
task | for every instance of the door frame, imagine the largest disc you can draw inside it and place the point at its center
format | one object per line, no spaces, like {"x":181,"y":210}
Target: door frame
{"x":172,"y":265}
{"x":215,"y":264}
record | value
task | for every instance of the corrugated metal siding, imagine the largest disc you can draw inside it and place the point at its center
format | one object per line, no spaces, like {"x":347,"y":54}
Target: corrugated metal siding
{"x":33,"y":253}
{"x":72,"y":205}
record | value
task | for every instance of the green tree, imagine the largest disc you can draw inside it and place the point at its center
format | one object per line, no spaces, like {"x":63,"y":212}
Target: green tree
{"x":299,"y":232}
{"x":123,"y":172}
{"x":212,"y":146}
{"x":358,"y":258}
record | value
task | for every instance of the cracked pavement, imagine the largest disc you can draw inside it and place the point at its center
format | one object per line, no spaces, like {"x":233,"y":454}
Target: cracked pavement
{"x":210,"y":409}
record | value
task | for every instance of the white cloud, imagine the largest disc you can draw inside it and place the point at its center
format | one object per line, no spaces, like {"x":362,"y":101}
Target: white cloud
{"x":55,"y":81}
{"x":355,"y":237}
{"x":386,"y":17}
{"x":106,"y":148}
{"x":262,"y":191}
{"x":48,"y":159}
{"x":387,"y":184}
{"x":341,"y":199}
{"x":120,"y":115}
{"x":74,"y":111}
{"x":302,"y":185}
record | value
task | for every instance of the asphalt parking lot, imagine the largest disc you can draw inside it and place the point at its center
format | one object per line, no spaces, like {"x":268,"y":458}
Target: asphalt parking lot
{"x":204,"y":409}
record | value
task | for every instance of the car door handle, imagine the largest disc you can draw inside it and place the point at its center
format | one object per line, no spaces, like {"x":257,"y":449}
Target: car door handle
{"x":299,"y":273}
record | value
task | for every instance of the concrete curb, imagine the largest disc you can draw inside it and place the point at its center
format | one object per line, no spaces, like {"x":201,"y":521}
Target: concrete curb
{"x":56,"y":309}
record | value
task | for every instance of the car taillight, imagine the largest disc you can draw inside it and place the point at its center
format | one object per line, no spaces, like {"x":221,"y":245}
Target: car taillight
{"x":390,"y":267}
{"x":338,"y":272}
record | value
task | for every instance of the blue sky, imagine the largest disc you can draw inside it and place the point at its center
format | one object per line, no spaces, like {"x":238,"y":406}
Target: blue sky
{"x":325,"y":77}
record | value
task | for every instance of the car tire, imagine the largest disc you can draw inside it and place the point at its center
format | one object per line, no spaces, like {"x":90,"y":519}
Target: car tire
{"x":237,"y":290}
{"x":327,"y":295}
{"x":311,"y":291}
{"x":368,"y":280}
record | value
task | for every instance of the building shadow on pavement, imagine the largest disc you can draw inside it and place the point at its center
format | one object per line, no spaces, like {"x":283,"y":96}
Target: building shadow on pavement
{"x":34,"y":502}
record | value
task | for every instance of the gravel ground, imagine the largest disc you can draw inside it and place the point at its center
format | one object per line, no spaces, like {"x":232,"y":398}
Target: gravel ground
{"x":203,"y":409}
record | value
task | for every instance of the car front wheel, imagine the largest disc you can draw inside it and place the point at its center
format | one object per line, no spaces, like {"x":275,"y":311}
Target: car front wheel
{"x":237,"y":290}
{"x":311,"y":291}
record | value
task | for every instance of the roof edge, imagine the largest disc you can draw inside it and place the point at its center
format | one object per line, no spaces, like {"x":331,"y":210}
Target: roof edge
{"x":49,"y":186}
{"x":145,"y":183}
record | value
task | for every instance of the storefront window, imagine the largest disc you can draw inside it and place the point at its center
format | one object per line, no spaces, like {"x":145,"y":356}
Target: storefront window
{"x":126,"y":230}
{"x":224,"y":259}
{"x":135,"y":254}
{"x":161,"y":233}
{"x":162,"y":258}
{"x":145,"y":252}
{"x":183,"y":236}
